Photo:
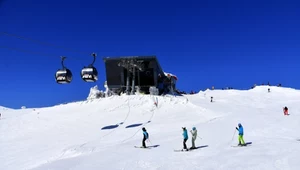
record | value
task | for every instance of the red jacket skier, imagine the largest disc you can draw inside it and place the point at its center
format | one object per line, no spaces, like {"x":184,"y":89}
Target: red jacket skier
{"x":286,"y":111}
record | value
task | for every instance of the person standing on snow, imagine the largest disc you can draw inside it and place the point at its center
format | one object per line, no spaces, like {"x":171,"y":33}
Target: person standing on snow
{"x":241,"y":134}
{"x":185,"y":137}
{"x":286,"y":111}
{"x":146,"y":136}
{"x":194,"y":136}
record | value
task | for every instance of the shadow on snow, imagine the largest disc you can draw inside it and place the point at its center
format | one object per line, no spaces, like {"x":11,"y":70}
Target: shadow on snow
{"x":136,"y":125}
{"x":153,"y":146}
{"x":111,"y":126}
{"x":204,"y":146}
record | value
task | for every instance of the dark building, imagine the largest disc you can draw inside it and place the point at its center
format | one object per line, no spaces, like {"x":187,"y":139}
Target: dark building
{"x":124,"y":74}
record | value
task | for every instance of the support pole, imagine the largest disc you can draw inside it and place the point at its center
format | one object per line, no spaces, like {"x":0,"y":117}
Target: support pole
{"x":127,"y":82}
{"x":139,"y":80}
{"x":133,"y":81}
{"x":155,"y":78}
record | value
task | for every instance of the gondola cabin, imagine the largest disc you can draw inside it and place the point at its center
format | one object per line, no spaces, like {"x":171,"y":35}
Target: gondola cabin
{"x":89,"y":74}
{"x":63,"y":76}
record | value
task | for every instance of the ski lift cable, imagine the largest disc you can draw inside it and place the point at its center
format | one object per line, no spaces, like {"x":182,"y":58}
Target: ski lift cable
{"x":42,"y":43}
{"x":25,"y":51}
{"x":36,"y":53}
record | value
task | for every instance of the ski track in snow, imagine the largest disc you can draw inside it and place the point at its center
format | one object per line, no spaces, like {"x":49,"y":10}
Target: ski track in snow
{"x":78,"y":150}
{"x":69,"y":136}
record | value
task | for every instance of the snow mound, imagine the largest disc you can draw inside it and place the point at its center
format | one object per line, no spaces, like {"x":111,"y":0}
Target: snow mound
{"x":4,"y":108}
{"x":170,"y":74}
{"x":95,"y":93}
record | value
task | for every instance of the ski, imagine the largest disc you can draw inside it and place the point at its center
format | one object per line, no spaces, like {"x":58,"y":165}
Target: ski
{"x":191,"y":149}
{"x":238,"y":146}
{"x":182,"y":150}
{"x":142,"y":147}
{"x":179,"y":150}
{"x":246,"y":144}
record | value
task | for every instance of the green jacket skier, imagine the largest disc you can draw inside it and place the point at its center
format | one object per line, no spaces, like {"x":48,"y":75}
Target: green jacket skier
{"x":241,"y":134}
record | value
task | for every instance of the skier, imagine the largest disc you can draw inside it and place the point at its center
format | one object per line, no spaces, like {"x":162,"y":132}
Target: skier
{"x":160,"y":84}
{"x":241,"y":134}
{"x":286,"y":111}
{"x":185,"y":138}
{"x":194,"y":136}
{"x":146,"y":136}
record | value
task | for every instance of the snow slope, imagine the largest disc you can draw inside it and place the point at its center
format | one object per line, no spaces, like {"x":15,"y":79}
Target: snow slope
{"x":101,"y":134}
{"x":4,"y":109}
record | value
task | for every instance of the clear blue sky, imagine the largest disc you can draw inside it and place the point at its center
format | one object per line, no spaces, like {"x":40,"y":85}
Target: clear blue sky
{"x":212,"y":42}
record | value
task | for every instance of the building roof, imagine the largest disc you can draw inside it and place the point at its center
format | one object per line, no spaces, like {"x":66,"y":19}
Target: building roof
{"x":130,"y":57}
{"x":150,"y":57}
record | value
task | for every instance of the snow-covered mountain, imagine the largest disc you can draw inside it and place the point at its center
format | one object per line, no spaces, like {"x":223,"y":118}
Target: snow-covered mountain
{"x":101,"y":133}
{"x":4,"y":108}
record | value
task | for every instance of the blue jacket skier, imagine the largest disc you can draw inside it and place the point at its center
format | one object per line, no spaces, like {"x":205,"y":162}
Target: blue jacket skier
{"x":241,"y":134}
{"x":185,"y":137}
{"x":146,"y":136}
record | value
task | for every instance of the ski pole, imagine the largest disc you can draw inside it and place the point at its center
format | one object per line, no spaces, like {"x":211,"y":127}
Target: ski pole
{"x":149,"y":141}
{"x":233,"y":134}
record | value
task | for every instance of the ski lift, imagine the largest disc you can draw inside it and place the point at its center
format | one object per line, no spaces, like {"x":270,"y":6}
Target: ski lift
{"x":90,"y":73}
{"x":64,"y":75}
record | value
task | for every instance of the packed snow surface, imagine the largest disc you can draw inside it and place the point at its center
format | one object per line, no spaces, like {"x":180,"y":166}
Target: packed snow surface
{"x":101,"y":133}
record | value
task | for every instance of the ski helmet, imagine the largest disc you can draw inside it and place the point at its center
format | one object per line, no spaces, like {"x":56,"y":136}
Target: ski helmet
{"x":144,"y":129}
{"x":239,"y":124}
{"x":194,"y":128}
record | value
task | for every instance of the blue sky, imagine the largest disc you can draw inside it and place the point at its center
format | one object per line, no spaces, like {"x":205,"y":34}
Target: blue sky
{"x":205,"y":43}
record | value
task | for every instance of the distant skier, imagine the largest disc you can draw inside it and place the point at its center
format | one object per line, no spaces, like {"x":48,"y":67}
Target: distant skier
{"x":241,"y":134}
{"x":211,"y":99}
{"x":185,"y":138}
{"x":146,"y":136}
{"x":286,"y":111}
{"x":194,"y":137}
{"x":269,"y":90}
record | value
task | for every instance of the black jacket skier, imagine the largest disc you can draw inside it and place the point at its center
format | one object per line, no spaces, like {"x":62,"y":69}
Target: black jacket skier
{"x":146,"y":136}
